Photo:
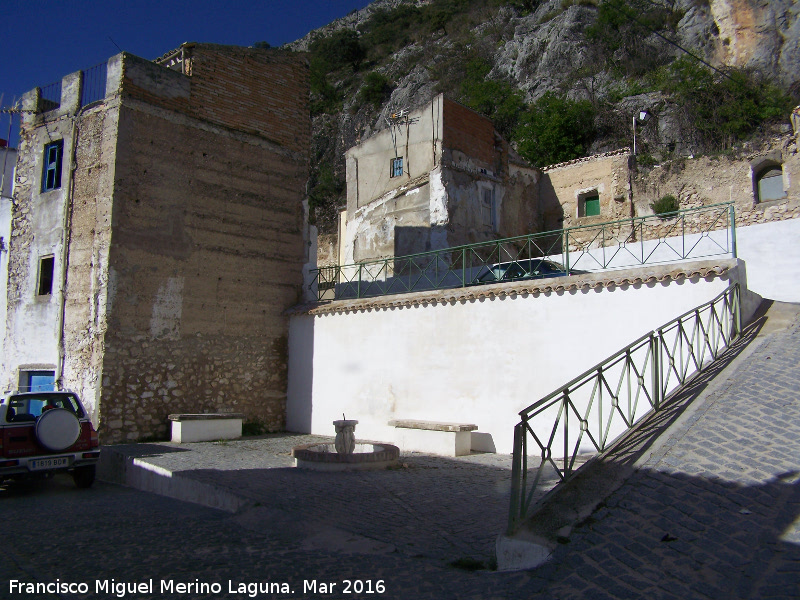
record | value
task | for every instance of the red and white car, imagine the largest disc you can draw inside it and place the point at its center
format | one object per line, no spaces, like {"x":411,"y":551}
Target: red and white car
{"x":42,"y":433}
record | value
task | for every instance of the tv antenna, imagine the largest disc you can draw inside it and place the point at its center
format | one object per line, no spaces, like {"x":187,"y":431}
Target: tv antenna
{"x":396,"y":120}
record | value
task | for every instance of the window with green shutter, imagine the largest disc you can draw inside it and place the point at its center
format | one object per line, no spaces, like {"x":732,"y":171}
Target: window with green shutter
{"x":589,"y":205}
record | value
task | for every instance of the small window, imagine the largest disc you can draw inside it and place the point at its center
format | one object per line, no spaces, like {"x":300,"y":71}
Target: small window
{"x":589,"y":205}
{"x":37,"y":381}
{"x":51,"y":170}
{"x":396,"y":167}
{"x":770,"y":184}
{"x":46,"y":267}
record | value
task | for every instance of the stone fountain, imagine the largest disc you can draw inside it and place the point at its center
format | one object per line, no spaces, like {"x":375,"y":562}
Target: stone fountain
{"x":344,"y":454}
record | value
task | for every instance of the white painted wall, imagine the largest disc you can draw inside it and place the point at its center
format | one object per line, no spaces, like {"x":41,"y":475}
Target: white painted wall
{"x":31,"y":325}
{"x":8,"y":164}
{"x":771,"y":253}
{"x":5,"y":233}
{"x":479,"y":361}
{"x":768,"y":249}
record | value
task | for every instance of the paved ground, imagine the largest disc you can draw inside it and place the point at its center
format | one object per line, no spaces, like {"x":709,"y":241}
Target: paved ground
{"x":711,"y":511}
{"x":430,"y":507}
{"x":714,"y":510}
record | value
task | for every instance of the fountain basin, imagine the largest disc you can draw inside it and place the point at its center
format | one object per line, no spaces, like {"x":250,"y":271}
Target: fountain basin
{"x":365,"y":456}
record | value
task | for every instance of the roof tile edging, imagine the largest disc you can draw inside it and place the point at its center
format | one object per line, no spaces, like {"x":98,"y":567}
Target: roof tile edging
{"x":512,"y":289}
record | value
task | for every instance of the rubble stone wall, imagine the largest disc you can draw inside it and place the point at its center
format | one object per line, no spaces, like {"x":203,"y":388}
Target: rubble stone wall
{"x":89,"y":238}
{"x":562,"y":187}
{"x":709,"y":180}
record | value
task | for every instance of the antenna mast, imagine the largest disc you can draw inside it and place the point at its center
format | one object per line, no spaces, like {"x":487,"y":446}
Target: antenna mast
{"x":396,"y":121}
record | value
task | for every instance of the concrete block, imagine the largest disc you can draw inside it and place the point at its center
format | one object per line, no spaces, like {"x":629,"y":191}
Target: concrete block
{"x":206,"y":427}
{"x":443,"y":443}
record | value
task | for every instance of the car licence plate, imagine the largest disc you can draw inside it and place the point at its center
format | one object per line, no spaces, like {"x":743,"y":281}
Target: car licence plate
{"x":48,"y":463}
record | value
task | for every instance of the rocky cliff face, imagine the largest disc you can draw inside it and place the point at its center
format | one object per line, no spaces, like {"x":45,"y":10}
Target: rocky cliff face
{"x":756,"y":34}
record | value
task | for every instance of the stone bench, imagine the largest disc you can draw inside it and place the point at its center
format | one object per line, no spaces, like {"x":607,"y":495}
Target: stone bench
{"x":206,"y":427}
{"x":433,"y":437}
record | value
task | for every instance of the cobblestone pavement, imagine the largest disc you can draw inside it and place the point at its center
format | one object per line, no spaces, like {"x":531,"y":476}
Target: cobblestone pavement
{"x":711,"y":512}
{"x":714,"y":511}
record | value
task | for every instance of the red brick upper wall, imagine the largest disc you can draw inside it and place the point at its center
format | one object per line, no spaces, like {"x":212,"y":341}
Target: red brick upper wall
{"x":260,"y":92}
{"x":467,"y":131}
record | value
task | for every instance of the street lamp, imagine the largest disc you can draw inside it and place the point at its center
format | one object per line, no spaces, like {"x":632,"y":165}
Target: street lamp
{"x":643,"y":118}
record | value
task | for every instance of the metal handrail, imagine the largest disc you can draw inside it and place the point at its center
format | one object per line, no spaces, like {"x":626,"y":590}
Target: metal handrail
{"x":604,"y":402}
{"x":609,"y":245}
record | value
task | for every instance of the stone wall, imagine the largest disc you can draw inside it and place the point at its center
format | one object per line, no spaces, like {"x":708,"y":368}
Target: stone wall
{"x":181,"y":212}
{"x":702,"y":181}
{"x":327,"y":250}
{"x":89,"y":239}
{"x":628,"y":191}
{"x":563,"y":186}
{"x":206,"y":255}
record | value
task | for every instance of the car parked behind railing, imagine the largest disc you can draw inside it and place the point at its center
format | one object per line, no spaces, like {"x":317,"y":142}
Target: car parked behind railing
{"x":529,"y":268}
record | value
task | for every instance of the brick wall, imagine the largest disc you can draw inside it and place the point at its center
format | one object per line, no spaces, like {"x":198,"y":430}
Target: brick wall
{"x":468,"y":132}
{"x":264,"y":92}
{"x":255,"y":91}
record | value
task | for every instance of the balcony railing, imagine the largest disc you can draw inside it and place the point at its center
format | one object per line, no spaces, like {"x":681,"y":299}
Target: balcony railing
{"x":587,"y":414}
{"x":688,"y":234}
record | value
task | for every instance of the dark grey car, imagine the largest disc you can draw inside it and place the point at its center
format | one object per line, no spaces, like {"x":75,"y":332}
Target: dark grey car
{"x":531,"y":268}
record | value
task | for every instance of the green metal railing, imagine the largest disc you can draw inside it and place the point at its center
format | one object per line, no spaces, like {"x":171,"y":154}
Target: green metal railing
{"x":687,"y":234}
{"x":595,"y":408}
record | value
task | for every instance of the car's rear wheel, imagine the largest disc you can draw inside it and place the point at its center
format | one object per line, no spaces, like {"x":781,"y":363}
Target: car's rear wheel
{"x":84,"y":476}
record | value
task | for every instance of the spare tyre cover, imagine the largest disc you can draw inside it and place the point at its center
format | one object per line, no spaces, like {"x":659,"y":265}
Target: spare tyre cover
{"x":57,"y":429}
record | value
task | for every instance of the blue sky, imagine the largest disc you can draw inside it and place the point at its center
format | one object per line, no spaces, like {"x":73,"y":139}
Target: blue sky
{"x":43,"y":40}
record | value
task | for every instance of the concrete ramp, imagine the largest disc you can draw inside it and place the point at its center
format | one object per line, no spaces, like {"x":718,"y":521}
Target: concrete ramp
{"x":714,"y":471}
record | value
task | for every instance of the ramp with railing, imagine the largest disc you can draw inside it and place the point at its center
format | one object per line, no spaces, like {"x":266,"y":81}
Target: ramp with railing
{"x":587,"y":414}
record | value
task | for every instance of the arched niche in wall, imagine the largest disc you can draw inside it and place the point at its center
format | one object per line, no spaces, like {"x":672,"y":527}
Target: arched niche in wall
{"x":768,"y":179}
